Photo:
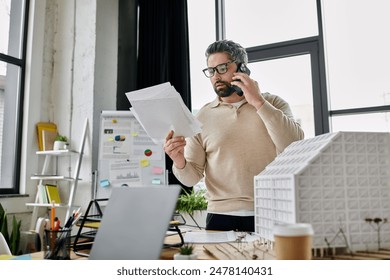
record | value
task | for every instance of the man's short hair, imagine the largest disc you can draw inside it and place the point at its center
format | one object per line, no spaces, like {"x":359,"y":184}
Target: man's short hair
{"x":236,"y":52}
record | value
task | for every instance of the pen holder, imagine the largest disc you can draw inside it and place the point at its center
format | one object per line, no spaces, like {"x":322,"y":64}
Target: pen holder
{"x":57,"y":244}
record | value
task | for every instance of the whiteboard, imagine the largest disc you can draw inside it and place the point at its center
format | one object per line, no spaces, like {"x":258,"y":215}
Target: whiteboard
{"x":127,"y":155}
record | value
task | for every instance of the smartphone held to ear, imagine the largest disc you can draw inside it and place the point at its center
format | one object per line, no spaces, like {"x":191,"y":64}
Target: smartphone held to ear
{"x":240,"y":68}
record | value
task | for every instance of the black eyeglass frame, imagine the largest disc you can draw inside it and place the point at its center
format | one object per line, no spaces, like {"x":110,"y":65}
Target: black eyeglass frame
{"x":207,"y":70}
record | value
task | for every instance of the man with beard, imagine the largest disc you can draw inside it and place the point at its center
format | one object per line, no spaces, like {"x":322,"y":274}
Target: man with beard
{"x":243,"y":130}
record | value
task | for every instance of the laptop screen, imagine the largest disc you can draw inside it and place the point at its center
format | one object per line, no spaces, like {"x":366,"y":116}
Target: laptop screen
{"x":135,"y":222}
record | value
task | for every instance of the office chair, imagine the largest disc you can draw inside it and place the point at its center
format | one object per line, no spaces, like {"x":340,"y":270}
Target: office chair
{"x":4,"y":249}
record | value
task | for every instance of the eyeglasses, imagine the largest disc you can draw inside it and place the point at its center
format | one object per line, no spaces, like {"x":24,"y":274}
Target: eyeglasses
{"x":220,"y":68}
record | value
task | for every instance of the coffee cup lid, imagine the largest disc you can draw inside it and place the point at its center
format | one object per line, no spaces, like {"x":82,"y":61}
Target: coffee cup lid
{"x":293,"y":229}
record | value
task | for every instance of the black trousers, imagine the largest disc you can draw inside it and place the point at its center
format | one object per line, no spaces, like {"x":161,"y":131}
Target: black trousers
{"x":227,"y":222}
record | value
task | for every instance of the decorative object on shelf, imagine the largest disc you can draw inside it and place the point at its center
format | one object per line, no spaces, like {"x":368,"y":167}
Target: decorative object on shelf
{"x":60,"y":142}
{"x":53,"y":194}
{"x":48,"y":138}
{"x":49,"y":173}
{"x":186,"y":252}
{"x":44,"y":132}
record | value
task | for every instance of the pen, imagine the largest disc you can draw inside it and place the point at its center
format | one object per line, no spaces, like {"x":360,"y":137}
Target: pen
{"x":69,"y":221}
{"x":76,"y":219}
{"x":53,"y":214}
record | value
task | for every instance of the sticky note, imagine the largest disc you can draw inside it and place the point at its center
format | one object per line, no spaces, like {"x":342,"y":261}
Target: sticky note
{"x":157,"y":170}
{"x":104,"y":183}
{"x":156,"y":182}
{"x":144,"y":162}
{"x":134,"y":134}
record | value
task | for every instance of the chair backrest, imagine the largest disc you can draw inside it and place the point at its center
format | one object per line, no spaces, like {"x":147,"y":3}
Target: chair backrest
{"x":4,"y":249}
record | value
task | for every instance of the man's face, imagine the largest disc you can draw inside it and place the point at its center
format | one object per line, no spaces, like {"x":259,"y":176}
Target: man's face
{"x":221,"y":82}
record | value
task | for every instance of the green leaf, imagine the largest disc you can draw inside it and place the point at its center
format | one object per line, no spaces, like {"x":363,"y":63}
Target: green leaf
{"x":13,"y":241}
{"x":4,"y":227}
{"x":191,"y":201}
{"x":15,"y":236}
{"x":62,"y":138}
{"x":186,"y":249}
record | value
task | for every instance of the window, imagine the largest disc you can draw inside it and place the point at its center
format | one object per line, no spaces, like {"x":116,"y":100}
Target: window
{"x":358,"y":63}
{"x":280,"y":77}
{"x":284,"y":52}
{"x":348,"y":56}
{"x":13,"y":21}
{"x":261,"y":22}
{"x":201,"y":18}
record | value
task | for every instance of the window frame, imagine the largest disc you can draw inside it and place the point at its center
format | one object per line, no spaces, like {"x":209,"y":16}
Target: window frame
{"x":310,"y":45}
{"x":313,"y":46}
{"x":21,"y":64}
{"x":291,"y":48}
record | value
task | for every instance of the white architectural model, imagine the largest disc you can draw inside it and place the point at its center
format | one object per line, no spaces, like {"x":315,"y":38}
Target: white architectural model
{"x":337,"y":182}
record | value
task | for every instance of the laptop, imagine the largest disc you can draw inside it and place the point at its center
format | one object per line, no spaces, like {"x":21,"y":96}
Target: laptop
{"x":135,"y":222}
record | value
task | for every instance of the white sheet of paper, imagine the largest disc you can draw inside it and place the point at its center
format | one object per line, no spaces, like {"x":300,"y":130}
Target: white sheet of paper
{"x":217,"y":237}
{"x":209,"y":237}
{"x":160,"y":109}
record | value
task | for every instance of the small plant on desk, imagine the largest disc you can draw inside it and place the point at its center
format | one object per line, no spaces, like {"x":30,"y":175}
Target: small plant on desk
{"x":186,"y":249}
{"x":186,"y":252}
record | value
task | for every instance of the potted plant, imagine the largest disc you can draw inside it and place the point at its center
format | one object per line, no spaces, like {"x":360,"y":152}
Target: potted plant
{"x":186,"y":252}
{"x":60,"y":142}
{"x":12,"y":240}
{"x":193,"y":203}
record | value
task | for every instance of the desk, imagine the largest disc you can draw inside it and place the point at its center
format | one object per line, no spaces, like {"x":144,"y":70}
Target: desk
{"x":215,"y":251}
{"x":223,"y":251}
{"x":73,"y":256}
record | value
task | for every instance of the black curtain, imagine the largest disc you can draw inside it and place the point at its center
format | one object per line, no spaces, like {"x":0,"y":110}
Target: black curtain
{"x":163,"y":50}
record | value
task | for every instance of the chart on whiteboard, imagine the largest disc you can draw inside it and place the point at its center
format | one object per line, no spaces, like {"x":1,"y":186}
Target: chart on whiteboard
{"x":127,"y":155}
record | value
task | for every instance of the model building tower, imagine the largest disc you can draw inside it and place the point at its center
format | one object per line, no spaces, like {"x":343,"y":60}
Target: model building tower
{"x":337,"y":182}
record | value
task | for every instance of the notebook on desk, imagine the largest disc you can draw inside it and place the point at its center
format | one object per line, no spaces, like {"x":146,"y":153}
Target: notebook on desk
{"x":134,"y":223}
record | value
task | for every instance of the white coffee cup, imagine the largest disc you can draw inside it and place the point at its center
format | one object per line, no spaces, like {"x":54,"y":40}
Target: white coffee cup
{"x":293,"y":241}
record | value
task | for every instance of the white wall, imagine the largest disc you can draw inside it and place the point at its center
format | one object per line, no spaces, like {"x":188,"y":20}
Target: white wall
{"x":71,"y":76}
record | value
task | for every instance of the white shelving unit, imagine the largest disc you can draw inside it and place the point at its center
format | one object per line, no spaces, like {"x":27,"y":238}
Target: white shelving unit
{"x":49,"y":174}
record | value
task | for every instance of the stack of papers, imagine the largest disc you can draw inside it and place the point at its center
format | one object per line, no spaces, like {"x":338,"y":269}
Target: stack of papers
{"x":218,"y":237}
{"x":160,"y":109}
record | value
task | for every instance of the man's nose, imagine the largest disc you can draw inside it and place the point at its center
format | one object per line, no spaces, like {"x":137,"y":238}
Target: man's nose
{"x":216,"y":76}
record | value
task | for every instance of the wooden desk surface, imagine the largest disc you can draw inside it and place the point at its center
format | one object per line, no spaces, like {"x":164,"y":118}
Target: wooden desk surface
{"x":39,"y":256}
{"x":216,"y":251}
{"x":223,"y":251}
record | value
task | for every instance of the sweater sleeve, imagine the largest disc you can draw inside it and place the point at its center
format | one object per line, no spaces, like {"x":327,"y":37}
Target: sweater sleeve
{"x":195,"y":156}
{"x":278,"y":118}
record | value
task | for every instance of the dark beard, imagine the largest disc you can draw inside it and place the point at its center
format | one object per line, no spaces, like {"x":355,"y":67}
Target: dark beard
{"x":227,"y":91}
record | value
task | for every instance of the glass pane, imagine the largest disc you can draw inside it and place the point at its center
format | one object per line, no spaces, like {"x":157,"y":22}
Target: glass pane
{"x":9,"y":91}
{"x":3,"y":73}
{"x":373,"y":122}
{"x":259,"y":22}
{"x":357,"y":52}
{"x":289,"y":78}
{"x":11,"y":19}
{"x":201,"y":35}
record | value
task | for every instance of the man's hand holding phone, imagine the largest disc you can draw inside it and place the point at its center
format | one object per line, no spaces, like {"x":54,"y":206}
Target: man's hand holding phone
{"x":250,"y":87}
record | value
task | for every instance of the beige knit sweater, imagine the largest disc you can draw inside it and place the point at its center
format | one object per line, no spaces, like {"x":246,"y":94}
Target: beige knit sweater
{"x":235,"y":145}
